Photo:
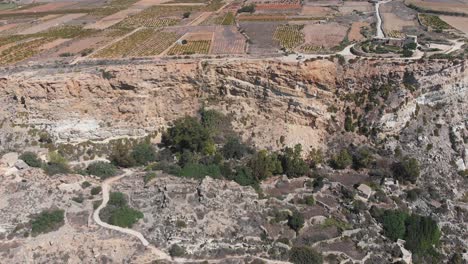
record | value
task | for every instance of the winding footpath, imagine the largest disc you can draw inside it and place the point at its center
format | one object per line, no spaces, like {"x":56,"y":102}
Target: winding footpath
{"x":106,"y":186}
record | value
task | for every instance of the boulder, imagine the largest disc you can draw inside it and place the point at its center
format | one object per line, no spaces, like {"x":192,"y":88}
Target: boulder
{"x":21,"y":165}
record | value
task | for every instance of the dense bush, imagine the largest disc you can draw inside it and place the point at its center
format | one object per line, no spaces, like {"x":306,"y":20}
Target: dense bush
{"x":143,"y":153}
{"x":406,"y":170}
{"x":394,"y":224}
{"x":176,"y":251}
{"x":188,"y":134}
{"x":148,"y":177}
{"x":292,"y":163}
{"x":305,"y":255}
{"x":341,"y":160}
{"x":57,"y":164}
{"x":102,"y":169}
{"x":234,"y":149}
{"x":47,"y":221}
{"x":96,"y":190}
{"x":296,"y":221}
{"x":85,"y":184}
{"x":199,"y":171}
{"x":118,"y":213}
{"x":264,"y":165}
{"x":247,"y":9}
{"x":31,"y":159}
{"x":315,"y":157}
{"x":362,"y":158}
{"x":121,"y":156}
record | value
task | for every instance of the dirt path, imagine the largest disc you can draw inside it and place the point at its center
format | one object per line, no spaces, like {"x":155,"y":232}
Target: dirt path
{"x":106,"y":186}
{"x":380,"y":33}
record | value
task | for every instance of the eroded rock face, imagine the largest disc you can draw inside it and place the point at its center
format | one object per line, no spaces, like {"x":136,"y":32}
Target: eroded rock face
{"x":266,"y":99}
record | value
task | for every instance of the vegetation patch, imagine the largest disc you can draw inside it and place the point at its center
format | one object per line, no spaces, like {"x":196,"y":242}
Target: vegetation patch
{"x":289,"y":36}
{"x":117,"y":212}
{"x":47,"y":221}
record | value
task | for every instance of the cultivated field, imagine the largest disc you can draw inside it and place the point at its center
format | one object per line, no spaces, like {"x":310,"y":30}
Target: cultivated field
{"x":289,"y":36}
{"x":393,"y":25}
{"x":261,"y":36}
{"x":460,"y":23}
{"x":225,"y":19}
{"x":316,"y":11}
{"x":191,"y":47}
{"x":448,"y":6}
{"x":227,"y":40}
{"x":50,"y":23}
{"x":355,"y":31}
{"x":22,"y":51}
{"x":144,"y":42}
{"x":157,"y":16}
{"x":349,"y":7}
{"x":324,"y":35}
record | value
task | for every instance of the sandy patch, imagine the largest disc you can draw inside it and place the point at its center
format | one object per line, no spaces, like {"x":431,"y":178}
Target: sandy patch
{"x":198,"y":36}
{"x":53,"y":44}
{"x":351,"y":6}
{"x":41,"y":8}
{"x":114,"y":18}
{"x":447,"y":5}
{"x":7,"y":27}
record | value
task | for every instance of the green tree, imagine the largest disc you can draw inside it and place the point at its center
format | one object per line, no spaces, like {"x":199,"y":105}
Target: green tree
{"x":292,"y":163}
{"x":143,"y":153}
{"x":121,"y":156}
{"x":362,"y":158}
{"x":296,"y":221}
{"x":305,"y":255}
{"x":406,"y":170}
{"x":394,"y":224}
{"x":264,"y":165}
{"x":31,"y":159}
{"x":342,"y":160}
{"x":234,"y":149}
{"x":422,"y":233}
{"x":187,"y":133}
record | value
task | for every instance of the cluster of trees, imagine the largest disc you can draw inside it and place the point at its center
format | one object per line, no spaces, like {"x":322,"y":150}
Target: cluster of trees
{"x":117,"y":212}
{"x":421,"y":233}
{"x":305,"y":255}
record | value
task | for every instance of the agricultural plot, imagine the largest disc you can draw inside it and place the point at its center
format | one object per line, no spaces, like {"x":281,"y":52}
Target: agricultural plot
{"x":145,"y":42}
{"x":227,"y":40}
{"x":355,"y":31}
{"x":349,"y":7}
{"x":22,"y":51}
{"x":324,"y":36}
{"x":316,"y":11}
{"x":191,"y":47}
{"x":225,"y":19}
{"x":449,"y":7}
{"x":289,"y":36}
{"x":460,"y":23}
{"x":261,"y":36}
{"x":50,"y":23}
{"x":433,"y":22}
{"x":398,"y":20}
{"x":157,"y":16}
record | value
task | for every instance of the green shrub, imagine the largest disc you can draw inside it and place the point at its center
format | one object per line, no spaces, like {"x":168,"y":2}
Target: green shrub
{"x":292,"y":163}
{"x":305,"y":255}
{"x":296,"y":221}
{"x":422,"y":233}
{"x":31,"y":159}
{"x":234,"y":149}
{"x":176,"y":251}
{"x":315,"y":157}
{"x":96,"y":190}
{"x":188,"y":133}
{"x":143,"y":153}
{"x":47,"y":221}
{"x":394,"y":224}
{"x":247,"y":9}
{"x":121,"y":156}
{"x":264,"y":165}
{"x":244,"y":176}
{"x":78,"y":199}
{"x":342,"y":160}
{"x":118,"y":213}
{"x":57,"y":164}
{"x":309,"y":200}
{"x":362,"y":158}
{"x":199,"y":171}
{"x":148,"y":177}
{"x":102,"y":169}
{"x":406,"y":170}
{"x":85,"y":184}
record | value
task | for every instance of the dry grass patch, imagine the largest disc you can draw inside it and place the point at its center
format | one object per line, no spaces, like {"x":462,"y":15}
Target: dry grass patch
{"x":324,"y":35}
{"x":460,"y":23}
{"x":355,"y":31}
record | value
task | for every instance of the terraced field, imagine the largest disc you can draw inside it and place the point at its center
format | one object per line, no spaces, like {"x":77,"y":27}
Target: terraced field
{"x":191,"y":47}
{"x":289,"y":36}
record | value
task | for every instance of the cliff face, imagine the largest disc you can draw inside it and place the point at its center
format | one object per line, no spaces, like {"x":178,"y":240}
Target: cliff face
{"x":267,"y":99}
